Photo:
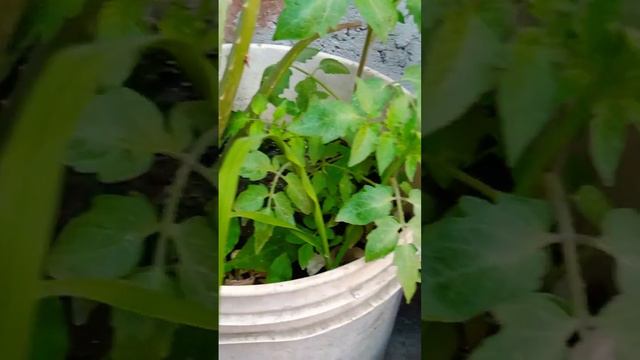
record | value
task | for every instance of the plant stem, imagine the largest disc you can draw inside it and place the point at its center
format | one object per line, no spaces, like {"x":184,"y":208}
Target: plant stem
{"x":544,"y":149}
{"x":472,"y":182}
{"x":285,"y":63}
{"x":235,"y":65}
{"x":365,"y":52}
{"x":196,"y":167}
{"x":367,"y":180}
{"x":274,"y":183}
{"x":580,"y":239}
{"x":396,"y":190}
{"x":569,"y":248}
{"x":324,"y":86}
{"x":175,"y":193}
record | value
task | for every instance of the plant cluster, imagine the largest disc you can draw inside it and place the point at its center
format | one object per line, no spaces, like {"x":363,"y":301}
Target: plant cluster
{"x":530,"y":105}
{"x":318,"y":175}
{"x":93,"y":105}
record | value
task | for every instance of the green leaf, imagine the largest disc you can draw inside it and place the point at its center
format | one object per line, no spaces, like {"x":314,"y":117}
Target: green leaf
{"x":345,"y":187}
{"x":280,"y":269}
{"x":619,"y":323}
{"x":256,"y":166}
{"x":247,"y":258}
{"x":415,"y":198}
{"x":621,"y":239}
{"x":239,"y":121}
{"x":608,"y":138}
{"x":332,"y":66}
{"x":50,"y":339}
{"x":408,"y":263}
{"x":380,"y":15}
{"x":180,"y":22}
{"x":305,"y":89}
{"x":231,"y":167}
{"x":399,"y":112}
{"x":45,"y":19}
{"x":307,"y":54}
{"x":328,"y":119}
{"x":282,"y":207}
{"x":410,"y":166}
{"x":30,"y":188}
{"x":592,"y":204}
{"x":458,"y":68}
{"x":532,"y":328}
{"x":298,"y":147}
{"x":385,"y":151}
{"x":280,"y":87}
{"x":474,"y":263}
{"x":106,"y":241}
{"x":371,"y":96}
{"x":252,"y":199}
{"x":366,"y":206}
{"x":117,"y":136}
{"x":233,"y":236}
{"x":139,"y":336}
{"x":128,"y":296}
{"x":195,"y":242}
{"x":280,"y":111}
{"x":415,"y":9}
{"x":328,"y":204}
{"x":297,"y":194}
{"x":261,"y":231}
{"x":259,"y":104}
{"x":190,"y":119}
{"x":526,"y":96}
{"x":319,"y":182}
{"x":383,"y":239}
{"x":121,"y":18}
{"x":316,"y":149}
{"x":305,"y":253}
{"x":303,"y":19}
{"x":363,"y":144}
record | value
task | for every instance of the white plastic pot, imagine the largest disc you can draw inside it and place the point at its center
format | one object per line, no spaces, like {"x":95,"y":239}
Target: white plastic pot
{"x":346,"y":313}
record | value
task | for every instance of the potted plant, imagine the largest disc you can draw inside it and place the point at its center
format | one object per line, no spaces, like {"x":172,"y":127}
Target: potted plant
{"x":108,"y":140}
{"x":530,"y":251}
{"x":320,"y":213}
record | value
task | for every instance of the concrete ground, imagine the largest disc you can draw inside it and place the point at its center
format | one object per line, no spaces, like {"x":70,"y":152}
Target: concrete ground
{"x":403,"y":47}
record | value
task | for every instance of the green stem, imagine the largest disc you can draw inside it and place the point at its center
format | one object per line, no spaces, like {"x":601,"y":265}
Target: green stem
{"x":274,"y":183}
{"x":346,"y":245}
{"x":580,"y":239}
{"x":175,"y":194}
{"x":285,"y":63}
{"x":235,"y":65}
{"x":569,"y":248}
{"x":398,"y":194}
{"x":472,"y":182}
{"x":196,"y":166}
{"x":365,"y":52}
{"x":367,"y":180}
{"x":308,"y":187}
{"x":324,"y":86}
{"x":548,"y":145}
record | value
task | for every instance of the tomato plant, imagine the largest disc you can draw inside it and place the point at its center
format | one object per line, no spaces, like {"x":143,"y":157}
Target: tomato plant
{"x":528,"y":108}
{"x":321,"y":176}
{"x":89,"y":116}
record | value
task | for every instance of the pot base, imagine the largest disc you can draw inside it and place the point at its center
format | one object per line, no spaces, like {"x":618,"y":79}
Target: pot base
{"x":364,"y":338}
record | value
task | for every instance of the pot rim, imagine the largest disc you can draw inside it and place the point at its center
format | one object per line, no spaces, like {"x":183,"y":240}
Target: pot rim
{"x":326,"y":276}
